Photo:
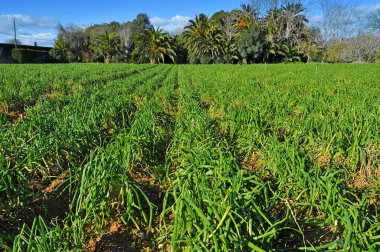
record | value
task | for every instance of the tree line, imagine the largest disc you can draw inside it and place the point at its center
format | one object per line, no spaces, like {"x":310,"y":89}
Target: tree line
{"x":276,"y":32}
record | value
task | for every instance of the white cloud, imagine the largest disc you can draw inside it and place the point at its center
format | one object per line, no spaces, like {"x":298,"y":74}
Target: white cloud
{"x":23,"y":21}
{"x":158,"y":21}
{"x":368,"y":8}
{"x":42,"y":39}
{"x":173,"y":25}
{"x":29,"y":29}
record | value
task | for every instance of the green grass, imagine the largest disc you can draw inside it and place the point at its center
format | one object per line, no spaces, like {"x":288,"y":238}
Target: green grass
{"x":192,"y":157}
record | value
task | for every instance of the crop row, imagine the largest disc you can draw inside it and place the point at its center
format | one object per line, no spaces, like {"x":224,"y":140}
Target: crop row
{"x":22,"y":86}
{"x":312,"y":136}
{"x":60,"y":133}
{"x":104,"y":186}
{"x":220,"y":158}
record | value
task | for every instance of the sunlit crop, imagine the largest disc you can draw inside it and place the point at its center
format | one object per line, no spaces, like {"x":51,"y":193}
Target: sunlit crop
{"x":190,"y":157}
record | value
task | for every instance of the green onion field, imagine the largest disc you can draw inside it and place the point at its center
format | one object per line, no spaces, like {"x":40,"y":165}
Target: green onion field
{"x":123,"y":157}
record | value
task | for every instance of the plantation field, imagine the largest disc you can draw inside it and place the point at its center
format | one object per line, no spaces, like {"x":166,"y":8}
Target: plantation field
{"x":189,"y":157}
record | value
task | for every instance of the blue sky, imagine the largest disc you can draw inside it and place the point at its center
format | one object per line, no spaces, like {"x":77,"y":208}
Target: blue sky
{"x":36,"y":20}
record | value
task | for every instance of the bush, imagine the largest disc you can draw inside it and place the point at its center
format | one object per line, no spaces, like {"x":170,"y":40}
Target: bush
{"x":27,"y":55}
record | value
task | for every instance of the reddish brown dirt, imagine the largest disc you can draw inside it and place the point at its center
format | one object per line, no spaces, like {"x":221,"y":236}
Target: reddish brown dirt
{"x":125,"y":238}
{"x":169,"y":109}
{"x":12,"y":115}
{"x":322,"y":159}
{"x":55,"y":183}
{"x":120,"y":238}
{"x":254,"y":163}
{"x":50,"y":202}
{"x":359,"y":182}
{"x":365,"y":178}
{"x":150,"y":186}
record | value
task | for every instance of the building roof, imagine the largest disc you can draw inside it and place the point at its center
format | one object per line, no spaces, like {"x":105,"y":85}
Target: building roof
{"x":26,"y":46}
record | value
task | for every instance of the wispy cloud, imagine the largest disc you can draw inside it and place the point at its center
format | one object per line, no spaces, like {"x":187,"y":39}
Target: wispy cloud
{"x":173,"y":25}
{"x":368,"y":8}
{"x":42,"y":39}
{"x":29,"y":29}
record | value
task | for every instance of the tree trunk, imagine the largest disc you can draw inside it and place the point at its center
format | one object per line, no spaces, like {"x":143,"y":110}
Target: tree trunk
{"x":107,"y":58}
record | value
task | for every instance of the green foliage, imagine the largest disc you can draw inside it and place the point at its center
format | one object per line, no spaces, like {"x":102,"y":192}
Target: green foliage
{"x":180,"y":50}
{"x":71,"y":45}
{"x":141,"y":23}
{"x":38,"y":237}
{"x":213,"y":158}
{"x":203,"y":39}
{"x":153,"y":46}
{"x":238,"y":36}
{"x":249,"y":45}
{"x":106,"y":45}
{"x":281,"y":34}
{"x":227,"y":37}
{"x":334,"y":52}
{"x":60,"y":50}
{"x":95,"y":30}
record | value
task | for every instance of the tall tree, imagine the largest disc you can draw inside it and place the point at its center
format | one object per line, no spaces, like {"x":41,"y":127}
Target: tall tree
{"x":338,"y":20}
{"x":152,"y":46}
{"x":247,"y":15}
{"x":60,"y":50}
{"x":127,"y":34}
{"x":130,"y":30}
{"x":178,"y":45}
{"x":250,"y":46}
{"x":311,"y":45}
{"x":294,"y":21}
{"x":363,"y":48}
{"x":203,"y":39}
{"x":228,"y":25}
{"x":284,"y":28}
{"x":75,"y":41}
{"x":263,"y":7}
{"x":141,"y":22}
{"x":106,"y":45}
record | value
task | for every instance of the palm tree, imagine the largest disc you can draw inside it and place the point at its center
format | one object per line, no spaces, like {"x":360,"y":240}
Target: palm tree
{"x":229,"y":32}
{"x":203,"y":37}
{"x":106,"y":45}
{"x":247,"y":16}
{"x":249,"y":45}
{"x":287,"y":52}
{"x":294,"y":20}
{"x":153,"y":45}
{"x":179,"y":48}
{"x":284,"y":28}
